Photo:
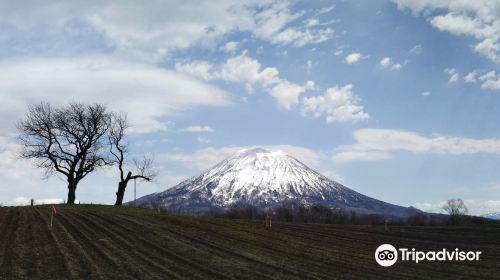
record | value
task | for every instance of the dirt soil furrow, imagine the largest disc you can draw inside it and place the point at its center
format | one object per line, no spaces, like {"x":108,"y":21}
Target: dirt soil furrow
{"x":106,"y":242}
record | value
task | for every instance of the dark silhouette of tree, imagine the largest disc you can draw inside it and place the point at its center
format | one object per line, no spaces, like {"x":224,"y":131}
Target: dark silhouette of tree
{"x":69,"y":140}
{"x":119,"y":149}
{"x":456,"y":209}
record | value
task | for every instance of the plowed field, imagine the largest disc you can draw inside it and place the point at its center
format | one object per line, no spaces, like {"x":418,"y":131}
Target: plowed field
{"x":105,"y":242}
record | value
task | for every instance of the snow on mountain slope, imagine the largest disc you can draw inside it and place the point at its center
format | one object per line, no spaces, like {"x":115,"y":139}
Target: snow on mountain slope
{"x":265,"y":179}
{"x":493,"y":216}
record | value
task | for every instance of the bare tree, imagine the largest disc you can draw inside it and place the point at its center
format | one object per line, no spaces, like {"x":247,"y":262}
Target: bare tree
{"x":144,"y":169}
{"x":455,"y":208}
{"x":70,"y":140}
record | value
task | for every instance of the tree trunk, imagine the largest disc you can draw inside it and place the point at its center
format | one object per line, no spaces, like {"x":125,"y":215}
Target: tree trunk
{"x":71,"y":192}
{"x":121,"y":192}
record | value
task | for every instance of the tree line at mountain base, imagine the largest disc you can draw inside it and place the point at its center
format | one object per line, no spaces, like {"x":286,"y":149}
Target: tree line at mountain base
{"x":320,"y":214}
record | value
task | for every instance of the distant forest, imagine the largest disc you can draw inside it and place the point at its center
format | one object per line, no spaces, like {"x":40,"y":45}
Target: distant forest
{"x":325,"y":215}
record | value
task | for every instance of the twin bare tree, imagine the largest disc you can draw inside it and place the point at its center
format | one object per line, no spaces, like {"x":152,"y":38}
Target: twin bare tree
{"x":77,"y":139}
{"x":119,"y":150}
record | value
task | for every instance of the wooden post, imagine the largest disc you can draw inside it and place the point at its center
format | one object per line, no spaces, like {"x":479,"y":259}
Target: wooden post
{"x":53,"y":212}
{"x":32,"y":200}
{"x":51,"y":216}
{"x":268,"y":220}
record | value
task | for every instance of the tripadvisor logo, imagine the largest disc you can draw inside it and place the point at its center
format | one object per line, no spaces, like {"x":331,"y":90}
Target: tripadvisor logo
{"x":387,"y":255}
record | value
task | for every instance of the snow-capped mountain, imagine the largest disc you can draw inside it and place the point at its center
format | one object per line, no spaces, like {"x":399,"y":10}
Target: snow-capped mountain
{"x":264,"y":179}
{"x":493,"y":216}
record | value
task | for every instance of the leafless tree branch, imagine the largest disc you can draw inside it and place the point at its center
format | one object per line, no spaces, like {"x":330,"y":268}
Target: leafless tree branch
{"x":144,"y":168}
{"x":69,"y":140}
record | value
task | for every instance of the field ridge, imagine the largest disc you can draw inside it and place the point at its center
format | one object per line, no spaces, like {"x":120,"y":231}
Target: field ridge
{"x":105,"y":242}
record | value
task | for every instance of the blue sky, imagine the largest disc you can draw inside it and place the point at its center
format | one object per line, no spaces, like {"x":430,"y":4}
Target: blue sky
{"x":398,"y":100}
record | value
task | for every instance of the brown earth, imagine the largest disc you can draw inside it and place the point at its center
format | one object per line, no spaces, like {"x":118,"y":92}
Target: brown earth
{"x":105,"y":242}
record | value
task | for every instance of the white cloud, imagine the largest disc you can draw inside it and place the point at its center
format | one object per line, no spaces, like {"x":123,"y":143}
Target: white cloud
{"x":454,"y":75}
{"x":200,"y":69}
{"x":453,"y":78}
{"x":150,"y":32}
{"x":417,"y":49}
{"x":202,"y":139}
{"x":204,"y":158}
{"x":353,"y":58}
{"x":426,"y":93}
{"x":271,"y":23}
{"x":475,"y":207}
{"x":430,"y":207}
{"x":244,"y":69}
{"x":490,"y":80}
{"x":353,"y":155}
{"x":208,"y":157}
{"x":230,"y":47}
{"x":479,"y":19}
{"x":309,"y":65}
{"x":457,"y":24}
{"x":491,"y":206}
{"x":326,"y":9}
{"x":146,"y":93}
{"x":470,"y":77}
{"x":23,"y":201}
{"x":339,"y":104}
{"x":11,"y":165}
{"x":198,"y":128}
{"x":287,"y":94}
{"x":334,"y":176}
{"x":302,"y":37}
{"x":387,"y":63}
{"x":249,"y":71}
{"x":377,"y":144}
{"x":396,"y":66}
{"x":338,"y":52}
{"x":312,"y":22}
{"x":20,"y":175}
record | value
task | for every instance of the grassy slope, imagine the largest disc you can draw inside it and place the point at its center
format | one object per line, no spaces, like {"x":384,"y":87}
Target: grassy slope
{"x":125,"y":243}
